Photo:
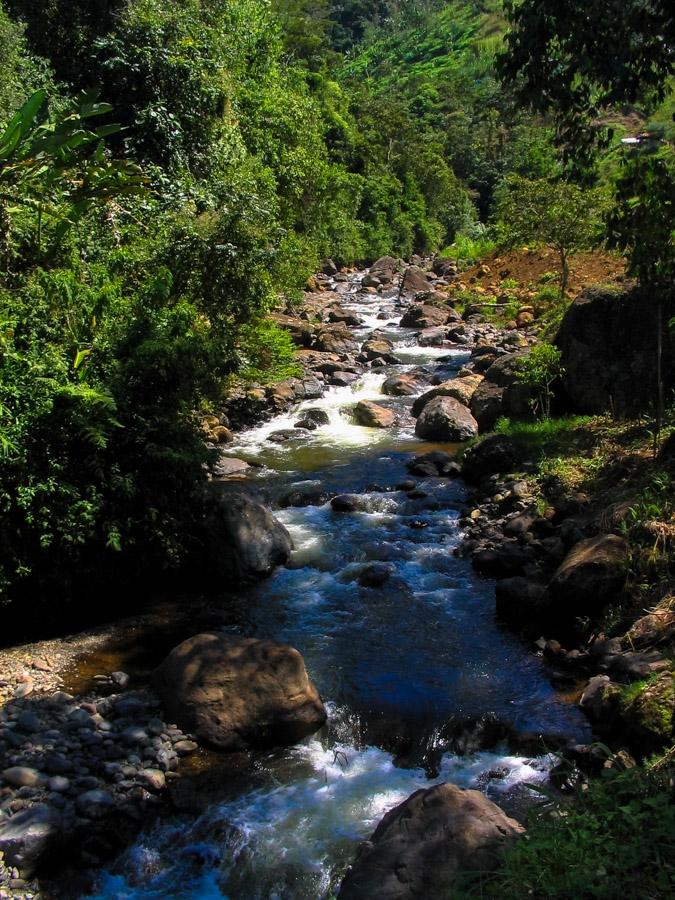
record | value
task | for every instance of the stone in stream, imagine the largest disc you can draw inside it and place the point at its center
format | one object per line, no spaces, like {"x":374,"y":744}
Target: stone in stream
{"x":312,"y":419}
{"x":342,"y":379}
{"x":462,"y":389}
{"x":287,"y":434}
{"x":376,"y":347}
{"x":437,"y":462}
{"x":431,"y":337}
{"x":402,"y":386}
{"x":420,"y":846}
{"x":227,"y":466}
{"x":422,"y":316}
{"x":371,"y":415}
{"x":445,"y":419}
{"x":414,"y":281}
{"x":245,"y":541}
{"x":235,"y":693}
{"x":491,"y":456}
{"x":24,"y":776}
{"x":383,"y":270}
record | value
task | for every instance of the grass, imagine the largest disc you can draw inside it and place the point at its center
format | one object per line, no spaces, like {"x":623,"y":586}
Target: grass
{"x":614,"y":839}
{"x":469,"y":250}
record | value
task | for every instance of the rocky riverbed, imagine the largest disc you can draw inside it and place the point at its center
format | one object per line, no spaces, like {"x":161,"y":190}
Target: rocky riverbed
{"x":353,"y":455}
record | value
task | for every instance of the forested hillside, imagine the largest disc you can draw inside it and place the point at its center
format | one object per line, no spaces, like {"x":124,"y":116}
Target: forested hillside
{"x":170,"y":173}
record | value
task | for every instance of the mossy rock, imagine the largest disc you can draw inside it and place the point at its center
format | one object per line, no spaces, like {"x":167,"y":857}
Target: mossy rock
{"x":648,"y":710}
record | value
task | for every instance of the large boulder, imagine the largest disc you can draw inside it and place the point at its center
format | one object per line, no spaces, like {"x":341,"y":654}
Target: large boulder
{"x":608,"y":344}
{"x":235,"y":693}
{"x":462,"y":389}
{"x":487,"y":404}
{"x":376,"y":347}
{"x":592,"y":575}
{"x":423,"y":316}
{"x":402,"y":386}
{"x":493,"y":455}
{"x":445,"y":419}
{"x":420,"y":846}
{"x":245,"y":541}
{"x":414,"y":281}
{"x":373,"y":416}
{"x":335,"y":339}
{"x":384,"y":268}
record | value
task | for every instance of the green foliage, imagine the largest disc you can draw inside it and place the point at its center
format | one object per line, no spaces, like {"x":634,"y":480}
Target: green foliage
{"x":557,"y":213}
{"x":539,"y":371}
{"x":615,"y":839}
{"x":556,"y":60}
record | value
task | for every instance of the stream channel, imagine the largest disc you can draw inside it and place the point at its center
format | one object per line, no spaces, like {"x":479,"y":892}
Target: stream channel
{"x":394,"y":664}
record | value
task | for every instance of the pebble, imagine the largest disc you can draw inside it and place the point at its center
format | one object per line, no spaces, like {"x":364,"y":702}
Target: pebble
{"x":23,"y":776}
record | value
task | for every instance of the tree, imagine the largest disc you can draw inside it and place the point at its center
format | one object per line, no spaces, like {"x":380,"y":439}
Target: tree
{"x":642,"y":226}
{"x":576,"y":58}
{"x":557,"y":213}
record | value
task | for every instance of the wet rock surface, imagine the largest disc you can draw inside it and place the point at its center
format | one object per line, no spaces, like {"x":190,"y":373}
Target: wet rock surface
{"x":420,"y":846}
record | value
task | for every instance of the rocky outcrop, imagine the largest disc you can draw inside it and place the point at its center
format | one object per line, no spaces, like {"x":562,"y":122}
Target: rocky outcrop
{"x":373,"y":416}
{"x":402,"y":386}
{"x":591,"y":576}
{"x":236,"y":693}
{"x":608,"y":344}
{"x":420,"y":846}
{"x":445,"y":419}
{"x":245,"y":541}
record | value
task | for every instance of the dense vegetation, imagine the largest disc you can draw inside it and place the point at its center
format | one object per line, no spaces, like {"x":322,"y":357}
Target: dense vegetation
{"x":169,"y":172}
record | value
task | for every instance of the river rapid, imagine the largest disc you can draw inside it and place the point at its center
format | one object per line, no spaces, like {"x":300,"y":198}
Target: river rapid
{"x":399,"y":666}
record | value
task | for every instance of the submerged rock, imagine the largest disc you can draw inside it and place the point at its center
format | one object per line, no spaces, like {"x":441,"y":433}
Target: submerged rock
{"x":420,"y":846}
{"x":237,"y":693}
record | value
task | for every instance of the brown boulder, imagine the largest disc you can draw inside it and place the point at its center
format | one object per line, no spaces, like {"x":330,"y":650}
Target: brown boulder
{"x":235,"y":693}
{"x":462,"y":389}
{"x":376,"y":347}
{"x":373,"y":416}
{"x":420,"y":846}
{"x":445,"y":419}
{"x":487,"y":404}
{"x":424,"y":316}
{"x":401,"y":386}
{"x":414,"y":281}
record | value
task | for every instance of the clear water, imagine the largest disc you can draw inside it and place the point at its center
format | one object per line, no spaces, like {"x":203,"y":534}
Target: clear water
{"x":394,"y":664}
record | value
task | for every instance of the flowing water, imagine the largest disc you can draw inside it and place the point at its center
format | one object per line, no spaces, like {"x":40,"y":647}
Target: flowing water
{"x":395,"y":664}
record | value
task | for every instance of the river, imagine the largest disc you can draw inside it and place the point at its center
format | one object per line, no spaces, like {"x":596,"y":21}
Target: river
{"x":397,"y":665}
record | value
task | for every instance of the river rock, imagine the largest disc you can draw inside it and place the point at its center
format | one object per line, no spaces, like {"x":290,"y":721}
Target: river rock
{"x":29,"y":837}
{"x":236,"y":693}
{"x":95,"y":804}
{"x":246,"y":542}
{"x":445,"y":419}
{"x":376,"y":347}
{"x":591,"y":576}
{"x":23,"y":776}
{"x":228,"y":466}
{"x":342,"y":379}
{"x":401,"y":386}
{"x":423,"y":316}
{"x":462,"y":389}
{"x":435,"y":463}
{"x":383,"y":269}
{"x":335,"y":339}
{"x":373,"y":416}
{"x":414,"y":281}
{"x":420,"y":846}
{"x":493,"y":455}
{"x":431,"y":337}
